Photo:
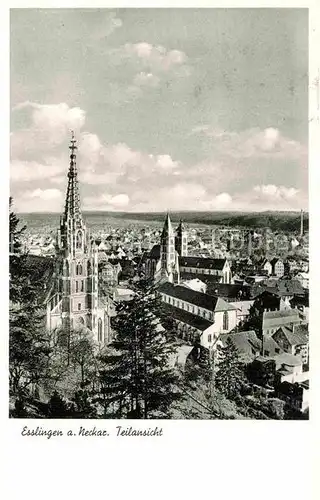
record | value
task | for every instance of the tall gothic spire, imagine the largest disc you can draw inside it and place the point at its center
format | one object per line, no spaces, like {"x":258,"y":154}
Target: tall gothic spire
{"x":72,"y":206}
{"x":167,"y":228}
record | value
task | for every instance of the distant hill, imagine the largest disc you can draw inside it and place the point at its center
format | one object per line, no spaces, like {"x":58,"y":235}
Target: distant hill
{"x":283,"y":221}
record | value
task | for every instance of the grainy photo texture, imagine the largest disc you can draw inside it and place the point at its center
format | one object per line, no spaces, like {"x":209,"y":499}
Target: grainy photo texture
{"x":159,"y":214}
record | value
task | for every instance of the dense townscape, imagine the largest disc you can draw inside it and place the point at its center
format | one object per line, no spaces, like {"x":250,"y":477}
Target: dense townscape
{"x":144,"y":319}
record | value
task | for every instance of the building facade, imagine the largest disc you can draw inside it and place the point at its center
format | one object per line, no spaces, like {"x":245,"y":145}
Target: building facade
{"x":74,"y":301}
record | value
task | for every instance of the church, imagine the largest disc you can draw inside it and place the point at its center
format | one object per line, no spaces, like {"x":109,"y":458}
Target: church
{"x":73,"y":299}
{"x":169,"y":260}
{"x":162,"y":262}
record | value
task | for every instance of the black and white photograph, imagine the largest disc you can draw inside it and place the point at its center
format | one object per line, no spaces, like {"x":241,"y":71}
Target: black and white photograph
{"x":158,"y":215}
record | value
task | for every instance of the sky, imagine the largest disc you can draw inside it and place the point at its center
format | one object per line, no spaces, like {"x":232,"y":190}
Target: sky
{"x":173,"y":109}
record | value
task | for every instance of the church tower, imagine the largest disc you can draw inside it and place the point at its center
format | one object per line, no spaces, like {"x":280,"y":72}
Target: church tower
{"x":78,"y":277}
{"x":168,"y":257}
{"x":182,"y":240}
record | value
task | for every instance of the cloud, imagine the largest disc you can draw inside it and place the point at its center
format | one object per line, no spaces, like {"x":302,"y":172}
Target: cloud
{"x":40,"y":200}
{"x":54,"y":116}
{"x":271,"y":191}
{"x":26,"y":171}
{"x":120,"y":177}
{"x":49,"y":127}
{"x":165,"y":162}
{"x":252,"y":143}
{"x":43,"y":194}
{"x":143,"y":79}
{"x":107,"y":202}
{"x":143,"y":65}
{"x":157,"y":57}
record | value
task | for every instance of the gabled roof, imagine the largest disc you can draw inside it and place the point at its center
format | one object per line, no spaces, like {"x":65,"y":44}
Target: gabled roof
{"x":245,"y":342}
{"x":278,"y":318}
{"x":270,"y":345}
{"x":209,"y":302}
{"x":202,"y":263}
{"x":275,"y":260}
{"x":300,"y":300}
{"x":294,"y":336}
{"x":187,"y":317}
{"x":154,"y":252}
{"x":287,"y":359}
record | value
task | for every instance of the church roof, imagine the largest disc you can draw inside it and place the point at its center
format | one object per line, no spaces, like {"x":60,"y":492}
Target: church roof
{"x":209,"y":302}
{"x":154,"y":252}
{"x":202,"y":263}
{"x":186,"y":317}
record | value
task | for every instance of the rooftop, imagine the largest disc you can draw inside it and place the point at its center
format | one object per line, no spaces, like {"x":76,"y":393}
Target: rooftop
{"x":209,"y":302}
{"x":187,"y":318}
{"x":202,"y":263}
{"x":279,"y":318}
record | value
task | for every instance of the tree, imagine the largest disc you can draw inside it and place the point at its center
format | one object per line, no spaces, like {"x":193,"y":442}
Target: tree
{"x":29,"y":346}
{"x":230,"y":374}
{"x":137,"y":380}
{"x":14,"y":231}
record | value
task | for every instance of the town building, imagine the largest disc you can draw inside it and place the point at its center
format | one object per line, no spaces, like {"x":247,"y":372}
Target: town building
{"x":294,"y":341}
{"x":216,"y":311}
{"x":278,"y":267}
{"x":273,"y":320}
{"x":220,"y":268}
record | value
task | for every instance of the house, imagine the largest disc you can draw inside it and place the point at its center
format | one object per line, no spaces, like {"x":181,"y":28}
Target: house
{"x":293,"y":340}
{"x":267,"y":266}
{"x":289,"y":368}
{"x":247,"y":344}
{"x":303,"y":278}
{"x":301,"y":303}
{"x":122,"y":294}
{"x":294,"y":394}
{"x":273,"y":320}
{"x":109,"y":273}
{"x":266,"y":301}
{"x":270,"y":348}
{"x":243,"y":309}
{"x":278,"y":267}
{"x":206,"y":266}
{"x":217,"y":311}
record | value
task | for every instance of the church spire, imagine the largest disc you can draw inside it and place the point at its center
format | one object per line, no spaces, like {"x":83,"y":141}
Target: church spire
{"x":72,"y":205}
{"x":167,"y":228}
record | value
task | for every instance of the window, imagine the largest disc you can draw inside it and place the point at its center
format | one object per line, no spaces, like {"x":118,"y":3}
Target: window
{"x":277,"y":351}
{"x":79,"y":240}
{"x":79,"y":307}
{"x":77,"y":287}
{"x":266,"y":353}
{"x":225,"y":321}
{"x":99,"y":330}
{"x":209,"y":337}
{"x":78,"y":269}
{"x":82,"y":286}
